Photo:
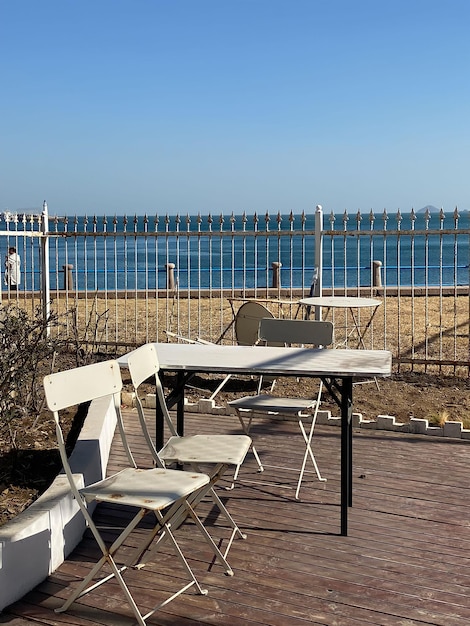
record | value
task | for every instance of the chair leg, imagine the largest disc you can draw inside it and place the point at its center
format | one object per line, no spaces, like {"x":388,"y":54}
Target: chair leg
{"x":175,"y":518}
{"x":223,"y":509}
{"x":215,"y":476}
{"x":182,"y":559}
{"x":211,"y":542}
{"x":308,"y":453}
{"x":84,"y":587}
{"x":107,"y":553}
{"x":221,"y":386}
{"x":246,"y":429}
{"x":246,"y":426}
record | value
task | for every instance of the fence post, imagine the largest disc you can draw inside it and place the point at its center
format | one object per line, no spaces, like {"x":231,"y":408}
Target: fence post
{"x":45,"y":284}
{"x":317,"y":281}
{"x":276,"y":265}
{"x":170,"y":276}
{"x":376,"y":274}
{"x":68,"y":277}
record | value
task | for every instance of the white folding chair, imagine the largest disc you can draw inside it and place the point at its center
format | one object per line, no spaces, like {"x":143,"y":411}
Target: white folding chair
{"x":218,"y":452}
{"x":161,"y":492}
{"x":245,"y":322}
{"x":287,"y":332}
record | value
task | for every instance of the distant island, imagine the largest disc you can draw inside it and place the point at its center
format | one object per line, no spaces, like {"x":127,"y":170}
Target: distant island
{"x":430,"y":208}
{"x":433,"y":209}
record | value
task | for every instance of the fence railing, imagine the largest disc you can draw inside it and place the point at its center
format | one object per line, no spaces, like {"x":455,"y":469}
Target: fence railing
{"x":129,"y":280}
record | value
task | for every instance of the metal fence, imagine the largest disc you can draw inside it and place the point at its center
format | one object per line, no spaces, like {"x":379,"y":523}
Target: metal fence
{"x":127,"y":281}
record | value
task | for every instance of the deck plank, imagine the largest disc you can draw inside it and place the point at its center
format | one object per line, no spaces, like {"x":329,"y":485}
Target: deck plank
{"x":404,"y":562}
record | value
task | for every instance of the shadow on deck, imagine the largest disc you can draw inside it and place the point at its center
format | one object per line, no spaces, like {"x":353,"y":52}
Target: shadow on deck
{"x":405,"y":560}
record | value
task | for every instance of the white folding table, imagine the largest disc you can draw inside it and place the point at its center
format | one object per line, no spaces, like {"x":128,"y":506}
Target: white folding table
{"x":351,"y":303}
{"x":337,"y":368}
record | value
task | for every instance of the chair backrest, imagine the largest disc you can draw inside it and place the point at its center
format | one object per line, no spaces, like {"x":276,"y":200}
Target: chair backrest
{"x":82,"y":384}
{"x":143,"y":363}
{"x":247,"y":322}
{"x":311,"y":332}
{"x":76,"y":386}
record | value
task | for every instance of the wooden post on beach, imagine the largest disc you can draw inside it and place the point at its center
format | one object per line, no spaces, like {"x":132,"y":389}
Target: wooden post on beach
{"x":170,"y":275}
{"x":276,"y":265}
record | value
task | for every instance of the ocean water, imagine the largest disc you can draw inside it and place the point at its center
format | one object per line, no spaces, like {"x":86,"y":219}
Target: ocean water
{"x":238,"y":258}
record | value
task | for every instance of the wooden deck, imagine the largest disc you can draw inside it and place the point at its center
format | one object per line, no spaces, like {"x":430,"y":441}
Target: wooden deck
{"x":406,"y":559}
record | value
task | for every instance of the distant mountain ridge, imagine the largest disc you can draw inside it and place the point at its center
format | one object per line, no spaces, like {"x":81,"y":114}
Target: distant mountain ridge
{"x":433,"y":209}
{"x":430,"y":208}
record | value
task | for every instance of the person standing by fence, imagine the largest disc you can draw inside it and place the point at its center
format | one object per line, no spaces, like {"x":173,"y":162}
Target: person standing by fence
{"x":12,"y":269}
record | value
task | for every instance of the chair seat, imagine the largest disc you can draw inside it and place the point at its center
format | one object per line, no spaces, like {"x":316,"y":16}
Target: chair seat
{"x":152,"y":489}
{"x":268,"y":403}
{"x":226,"y":449}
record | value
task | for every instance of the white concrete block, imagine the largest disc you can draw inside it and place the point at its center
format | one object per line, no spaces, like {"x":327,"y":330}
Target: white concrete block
{"x":128,"y":398}
{"x":149,"y":401}
{"x":418,"y":426}
{"x":356,"y":419}
{"x":385,"y":422}
{"x":323,"y":417}
{"x":206,"y":406}
{"x":453,"y":429}
{"x":334,"y":421}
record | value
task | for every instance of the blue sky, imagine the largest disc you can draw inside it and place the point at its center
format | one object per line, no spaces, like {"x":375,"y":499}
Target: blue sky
{"x":115,"y":106}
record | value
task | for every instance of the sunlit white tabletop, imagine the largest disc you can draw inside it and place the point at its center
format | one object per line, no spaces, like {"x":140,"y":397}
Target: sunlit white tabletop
{"x":213,"y":358}
{"x":343,"y":302}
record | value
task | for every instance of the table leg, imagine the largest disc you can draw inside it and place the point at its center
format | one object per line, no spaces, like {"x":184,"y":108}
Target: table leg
{"x":361,"y":335}
{"x":342,"y":393}
{"x":346,"y":452}
{"x":360,"y":343}
{"x":230,"y":325}
{"x":181,"y":379}
{"x":175,"y":397}
{"x":159,"y":423}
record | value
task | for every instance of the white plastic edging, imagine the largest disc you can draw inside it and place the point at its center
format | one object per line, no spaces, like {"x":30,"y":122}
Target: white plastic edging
{"x":39,"y":539}
{"x":417,"y":426}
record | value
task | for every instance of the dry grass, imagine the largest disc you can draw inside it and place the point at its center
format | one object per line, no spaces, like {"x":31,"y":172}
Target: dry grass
{"x":424,"y":333}
{"x":439,"y":419}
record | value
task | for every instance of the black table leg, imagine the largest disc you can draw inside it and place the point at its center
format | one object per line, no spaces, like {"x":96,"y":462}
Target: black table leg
{"x":346,"y":452}
{"x":181,"y":381}
{"x":159,"y":423}
{"x":342,"y":392}
{"x":175,"y":397}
